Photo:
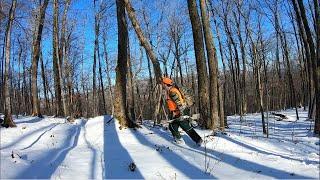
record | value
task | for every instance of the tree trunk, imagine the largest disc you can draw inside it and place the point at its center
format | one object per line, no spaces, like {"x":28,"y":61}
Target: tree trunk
{"x":108,"y":70}
{"x":222,"y":100}
{"x":101,"y":84}
{"x":143,"y":40}
{"x":44,"y":82}
{"x":257,"y":67}
{"x":213,"y":67}
{"x":201,"y":63}
{"x":243,"y":90}
{"x":121,"y":69}
{"x":313,"y":59}
{"x":96,"y":44}
{"x":62,"y":58}
{"x":56,"y":62}
{"x":317,"y":63}
{"x":130,"y":89}
{"x":8,"y":121}
{"x":35,"y":59}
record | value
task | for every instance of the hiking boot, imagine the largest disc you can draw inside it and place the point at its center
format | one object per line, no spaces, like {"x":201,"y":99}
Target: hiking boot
{"x":179,"y":141}
{"x":200,"y":143}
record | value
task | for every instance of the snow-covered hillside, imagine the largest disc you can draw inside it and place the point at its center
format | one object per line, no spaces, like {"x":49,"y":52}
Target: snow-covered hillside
{"x":51,"y":148}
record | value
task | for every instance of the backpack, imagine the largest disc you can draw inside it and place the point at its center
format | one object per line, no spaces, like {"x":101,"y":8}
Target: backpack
{"x":187,"y":95}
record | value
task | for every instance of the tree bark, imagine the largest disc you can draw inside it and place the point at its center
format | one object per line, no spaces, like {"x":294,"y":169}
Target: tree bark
{"x":200,"y":62}
{"x":95,"y":56}
{"x":62,"y":58}
{"x":108,"y":70}
{"x":213,"y":67}
{"x":56,"y":62}
{"x":8,"y":121}
{"x":317,"y":63}
{"x":44,"y":84}
{"x":121,"y":69}
{"x":130,"y":89}
{"x":35,"y":59}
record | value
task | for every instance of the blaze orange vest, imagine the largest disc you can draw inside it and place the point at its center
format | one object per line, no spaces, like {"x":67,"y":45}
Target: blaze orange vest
{"x":171,"y":104}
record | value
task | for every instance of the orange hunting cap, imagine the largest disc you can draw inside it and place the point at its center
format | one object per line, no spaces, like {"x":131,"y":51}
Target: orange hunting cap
{"x":166,"y":80}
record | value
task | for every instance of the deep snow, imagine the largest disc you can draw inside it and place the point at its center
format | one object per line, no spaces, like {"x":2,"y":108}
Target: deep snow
{"x":51,"y":148}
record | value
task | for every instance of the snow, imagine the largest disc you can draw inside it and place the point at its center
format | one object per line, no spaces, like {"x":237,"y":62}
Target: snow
{"x":52,"y":148}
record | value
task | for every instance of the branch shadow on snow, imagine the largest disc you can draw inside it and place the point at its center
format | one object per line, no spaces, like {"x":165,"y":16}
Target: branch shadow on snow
{"x":39,"y":137}
{"x":266,"y":152}
{"x":176,"y":160}
{"x":46,"y":164}
{"x":233,"y":160}
{"x":14,"y":143}
{"x":116,"y":157}
{"x":254,"y":167}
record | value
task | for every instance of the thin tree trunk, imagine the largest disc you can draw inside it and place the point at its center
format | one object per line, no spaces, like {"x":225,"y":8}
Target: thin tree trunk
{"x":101,"y":84}
{"x":96,"y":44}
{"x":108,"y":70}
{"x":56,"y":62}
{"x":243,"y":90}
{"x":223,"y":90}
{"x":44,"y":82}
{"x":130,"y":89}
{"x":143,"y":40}
{"x":8,"y":121}
{"x":63,"y":58}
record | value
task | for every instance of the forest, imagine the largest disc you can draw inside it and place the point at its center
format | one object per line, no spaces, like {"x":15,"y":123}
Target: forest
{"x":73,"y":58}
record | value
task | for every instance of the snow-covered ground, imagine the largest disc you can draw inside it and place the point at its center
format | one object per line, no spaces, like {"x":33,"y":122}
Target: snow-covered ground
{"x":51,"y":148}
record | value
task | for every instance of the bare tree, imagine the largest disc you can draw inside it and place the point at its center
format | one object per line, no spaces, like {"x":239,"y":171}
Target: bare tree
{"x":121,"y":112}
{"x":200,"y":61}
{"x":144,"y":42}
{"x":56,"y":61}
{"x":8,"y":121}
{"x":213,"y":67}
{"x":35,"y":59}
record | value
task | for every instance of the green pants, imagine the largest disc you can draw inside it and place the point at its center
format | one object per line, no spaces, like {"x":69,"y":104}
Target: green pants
{"x":185,"y":125}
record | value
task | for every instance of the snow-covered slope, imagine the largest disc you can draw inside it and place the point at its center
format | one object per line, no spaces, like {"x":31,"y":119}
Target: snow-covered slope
{"x":51,"y":148}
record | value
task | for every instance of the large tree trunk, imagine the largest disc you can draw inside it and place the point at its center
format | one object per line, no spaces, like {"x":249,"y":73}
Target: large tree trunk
{"x":213,"y":123}
{"x":317,"y":76}
{"x":96,"y":44}
{"x":200,"y":62}
{"x":35,"y":59}
{"x":121,"y":69}
{"x":8,"y":122}
{"x":56,"y":62}
{"x":302,"y":14}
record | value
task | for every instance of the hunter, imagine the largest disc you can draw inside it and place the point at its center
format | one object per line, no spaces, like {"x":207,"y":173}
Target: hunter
{"x":179,"y":113}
